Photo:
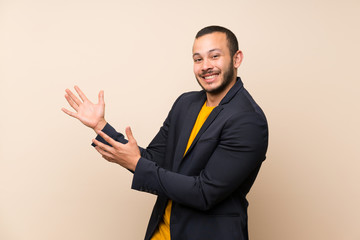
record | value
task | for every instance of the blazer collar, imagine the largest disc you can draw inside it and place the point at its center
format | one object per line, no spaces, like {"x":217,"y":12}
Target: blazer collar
{"x":232,"y":92}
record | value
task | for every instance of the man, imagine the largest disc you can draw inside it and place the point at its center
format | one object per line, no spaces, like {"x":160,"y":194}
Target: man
{"x":206,"y":156}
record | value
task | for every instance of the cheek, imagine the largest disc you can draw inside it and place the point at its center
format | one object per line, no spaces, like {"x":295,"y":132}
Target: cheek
{"x":221,"y":65}
{"x":196,"y":69}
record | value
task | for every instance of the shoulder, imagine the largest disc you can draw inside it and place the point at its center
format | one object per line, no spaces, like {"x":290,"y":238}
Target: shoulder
{"x":192,"y":96}
{"x":188,"y":98}
{"x":243,"y":105}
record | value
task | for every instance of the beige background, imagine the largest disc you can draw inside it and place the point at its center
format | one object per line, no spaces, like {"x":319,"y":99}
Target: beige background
{"x":301,"y":65}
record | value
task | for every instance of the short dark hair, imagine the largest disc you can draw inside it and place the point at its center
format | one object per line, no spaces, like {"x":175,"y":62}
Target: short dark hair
{"x":230,"y":36}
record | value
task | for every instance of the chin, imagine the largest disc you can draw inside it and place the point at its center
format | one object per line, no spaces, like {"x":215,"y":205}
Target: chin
{"x":208,"y":87}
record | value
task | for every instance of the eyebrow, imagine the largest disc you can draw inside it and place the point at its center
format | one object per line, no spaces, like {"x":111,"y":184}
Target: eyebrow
{"x":212,"y":50}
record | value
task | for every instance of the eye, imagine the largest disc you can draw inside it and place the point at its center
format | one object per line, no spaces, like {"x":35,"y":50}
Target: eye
{"x":215,"y":56}
{"x":197,"y":60}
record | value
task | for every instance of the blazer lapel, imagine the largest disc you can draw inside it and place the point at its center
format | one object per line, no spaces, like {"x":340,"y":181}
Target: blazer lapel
{"x":215,"y":112}
{"x":184,"y":137}
{"x":189,"y":121}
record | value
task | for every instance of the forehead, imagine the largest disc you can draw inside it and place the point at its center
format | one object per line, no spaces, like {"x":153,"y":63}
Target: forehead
{"x":216,"y":40}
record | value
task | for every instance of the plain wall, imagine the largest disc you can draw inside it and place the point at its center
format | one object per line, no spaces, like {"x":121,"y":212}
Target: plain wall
{"x":301,"y":65}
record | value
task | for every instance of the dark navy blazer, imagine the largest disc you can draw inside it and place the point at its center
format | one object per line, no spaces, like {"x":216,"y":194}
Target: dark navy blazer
{"x":208,"y":186}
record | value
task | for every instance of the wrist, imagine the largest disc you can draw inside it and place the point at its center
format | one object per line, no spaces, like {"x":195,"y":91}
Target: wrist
{"x":134,"y":164}
{"x":100,"y":126}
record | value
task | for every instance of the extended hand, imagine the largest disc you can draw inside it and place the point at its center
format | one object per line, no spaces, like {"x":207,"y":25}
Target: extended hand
{"x":90,"y":114}
{"x":127,"y":155}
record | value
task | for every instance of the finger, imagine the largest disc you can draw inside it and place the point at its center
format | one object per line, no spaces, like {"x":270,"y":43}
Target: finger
{"x":129,"y":134}
{"x":108,"y":159}
{"x":81,"y":94}
{"x":103,"y":146}
{"x":108,"y":139}
{"x":71,"y":102}
{"x":104,"y":154}
{"x":102,"y":151}
{"x":101,"y":97}
{"x":71,"y":114}
{"x":73,"y":97}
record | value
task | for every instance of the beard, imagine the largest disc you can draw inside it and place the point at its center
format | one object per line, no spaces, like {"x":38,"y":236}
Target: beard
{"x":229,"y":75}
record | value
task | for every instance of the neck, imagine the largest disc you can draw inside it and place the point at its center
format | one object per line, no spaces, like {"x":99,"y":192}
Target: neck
{"x":214,"y":100}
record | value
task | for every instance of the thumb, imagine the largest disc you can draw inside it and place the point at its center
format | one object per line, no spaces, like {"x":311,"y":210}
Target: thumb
{"x":129,"y":134}
{"x":101,"y":97}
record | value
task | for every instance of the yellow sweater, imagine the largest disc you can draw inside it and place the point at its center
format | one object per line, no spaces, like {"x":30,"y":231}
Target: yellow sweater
{"x":163,"y":231}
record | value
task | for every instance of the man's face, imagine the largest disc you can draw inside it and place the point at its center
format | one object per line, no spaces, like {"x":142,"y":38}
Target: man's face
{"x":213,"y":64}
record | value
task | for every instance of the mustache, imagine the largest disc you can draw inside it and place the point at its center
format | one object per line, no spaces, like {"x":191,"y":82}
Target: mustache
{"x":206,"y":72}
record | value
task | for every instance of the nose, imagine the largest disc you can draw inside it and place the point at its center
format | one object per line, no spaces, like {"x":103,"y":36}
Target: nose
{"x":207,"y":64}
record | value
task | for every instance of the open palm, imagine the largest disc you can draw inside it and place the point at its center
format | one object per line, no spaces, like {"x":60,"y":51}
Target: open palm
{"x":90,"y":114}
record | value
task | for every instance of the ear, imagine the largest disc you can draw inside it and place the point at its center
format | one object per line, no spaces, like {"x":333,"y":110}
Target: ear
{"x":238,"y":57}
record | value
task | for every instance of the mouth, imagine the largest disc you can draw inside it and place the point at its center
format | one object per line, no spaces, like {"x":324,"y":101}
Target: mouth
{"x":209,"y":77}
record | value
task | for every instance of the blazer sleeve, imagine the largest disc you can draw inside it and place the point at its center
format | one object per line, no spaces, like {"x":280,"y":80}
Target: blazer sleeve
{"x":157,"y":148}
{"x":155,"y":151}
{"x":241,"y":150}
